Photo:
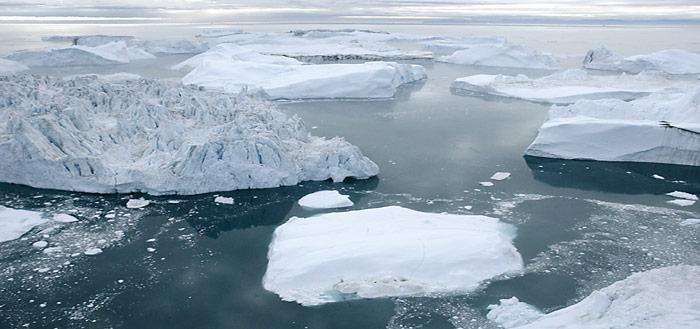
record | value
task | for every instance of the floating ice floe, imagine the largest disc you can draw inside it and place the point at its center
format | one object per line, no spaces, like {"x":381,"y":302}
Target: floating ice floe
{"x":232,"y":52}
{"x":672,"y":61}
{"x":64,"y":218}
{"x":223,"y":200}
{"x":610,"y":130}
{"x":368,"y":80}
{"x":568,"y":86}
{"x":683,"y":195}
{"x":487,"y":184}
{"x":500,"y":175}
{"x":92,"y":251}
{"x":682,"y":202}
{"x":325,"y":200}
{"x":83,"y":134}
{"x":690,"y":221}
{"x":511,"y":313}
{"x":137,"y":203}
{"x":390,"y":251}
{"x":660,"y":298}
{"x":15,"y":222}
{"x":8,"y":67}
{"x":116,"y":52}
{"x":501,"y":55}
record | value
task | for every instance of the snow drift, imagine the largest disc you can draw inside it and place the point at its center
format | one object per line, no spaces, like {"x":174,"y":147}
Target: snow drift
{"x":85,"y":134}
{"x":672,"y":61}
{"x":390,"y":251}
{"x":661,"y":128}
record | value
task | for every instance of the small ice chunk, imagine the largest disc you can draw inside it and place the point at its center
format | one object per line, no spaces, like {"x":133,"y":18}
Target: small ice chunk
{"x":14,"y":222}
{"x":683,"y":195}
{"x":64,"y":218}
{"x":486,"y":183}
{"x":151,"y":249}
{"x":682,"y":202}
{"x":512,"y":313}
{"x":52,"y":250}
{"x":110,"y":215}
{"x":92,"y":251}
{"x":40,"y":244}
{"x":223,"y":200}
{"x":500,"y":175}
{"x":658,"y":176}
{"x":325,"y":200}
{"x":137,"y":203}
{"x":690,"y":221}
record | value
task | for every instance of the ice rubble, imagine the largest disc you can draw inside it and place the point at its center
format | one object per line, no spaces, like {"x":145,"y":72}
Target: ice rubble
{"x":14,"y":222}
{"x":501,"y":55}
{"x":610,"y":130}
{"x":568,"y":86}
{"x":116,"y":52}
{"x":368,"y":80}
{"x":84,"y":134}
{"x":672,"y":61}
{"x":325,"y":200}
{"x":8,"y":67}
{"x":390,"y":251}
{"x":660,"y":298}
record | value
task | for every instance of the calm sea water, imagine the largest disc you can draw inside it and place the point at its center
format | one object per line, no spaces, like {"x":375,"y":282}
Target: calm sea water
{"x":196,"y":264}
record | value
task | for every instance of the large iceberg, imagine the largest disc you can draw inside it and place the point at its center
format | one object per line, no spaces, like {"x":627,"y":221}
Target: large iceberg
{"x":501,"y":55}
{"x":368,"y":80}
{"x":390,"y":251}
{"x":672,"y":61}
{"x":164,"y":46}
{"x":661,"y":298}
{"x":8,"y":67}
{"x":14,"y":222}
{"x":661,"y":128}
{"x":115,"y":52}
{"x":233,"y":52}
{"x":568,"y":86}
{"x":85,"y":134}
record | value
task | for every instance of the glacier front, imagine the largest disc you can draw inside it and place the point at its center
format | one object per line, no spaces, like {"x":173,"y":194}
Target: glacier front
{"x":389,"y":251}
{"x":86,"y":134}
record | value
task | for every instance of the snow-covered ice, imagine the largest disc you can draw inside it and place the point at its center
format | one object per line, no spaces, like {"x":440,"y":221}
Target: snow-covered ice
{"x":390,"y":251}
{"x":232,"y":52}
{"x":368,"y":80}
{"x":16,"y":222}
{"x":223,"y":200}
{"x":158,"y":137}
{"x":8,"y":67}
{"x":137,"y":203}
{"x":161,"y":46}
{"x":41,"y":244}
{"x":501,"y":55}
{"x":92,"y":251}
{"x":610,"y":130}
{"x":511,"y":313}
{"x":116,"y":52}
{"x":325,"y":200}
{"x":682,"y":202}
{"x":487,"y":184}
{"x":690,"y":221}
{"x":661,"y":298}
{"x":569,"y":86}
{"x":500,"y":175}
{"x":655,"y":176}
{"x":672,"y":61}
{"x":64,"y":218}
{"x":683,"y":195}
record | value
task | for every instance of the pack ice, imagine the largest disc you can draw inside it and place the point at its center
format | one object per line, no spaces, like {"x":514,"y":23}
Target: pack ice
{"x":568,"y":86}
{"x":501,"y":55}
{"x":85,"y":134}
{"x":672,"y":61}
{"x":390,"y":251}
{"x":663,"y":127}
{"x":115,"y":52}
{"x":660,"y":298}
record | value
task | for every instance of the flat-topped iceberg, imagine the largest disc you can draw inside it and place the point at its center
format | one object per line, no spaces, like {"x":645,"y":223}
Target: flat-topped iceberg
{"x":661,"y":128}
{"x":672,"y":61}
{"x":233,"y":52}
{"x":661,"y":298}
{"x":116,"y":52}
{"x":501,"y":55}
{"x":85,"y":134}
{"x":325,"y":200}
{"x":8,"y":67}
{"x":390,"y":251}
{"x":368,"y":80}
{"x":568,"y":86}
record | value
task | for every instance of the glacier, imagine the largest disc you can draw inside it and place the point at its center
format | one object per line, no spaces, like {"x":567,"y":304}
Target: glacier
{"x":115,"y":52}
{"x":568,"y":86}
{"x":389,"y":251}
{"x":610,"y":130}
{"x":671,"y":61}
{"x":158,"y":137}
{"x":660,"y":298}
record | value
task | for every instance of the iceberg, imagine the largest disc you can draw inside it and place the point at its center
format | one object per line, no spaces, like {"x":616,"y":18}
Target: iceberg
{"x":610,"y":130}
{"x":671,"y":61}
{"x":325,"y":200}
{"x":368,"y":80}
{"x":116,"y":52}
{"x":8,"y":67}
{"x":15,"y":222}
{"x":660,"y":298}
{"x":567,"y":86}
{"x":165,"y":46}
{"x":512,"y":313}
{"x":157,"y":137}
{"x":389,"y":251}
{"x":232,"y":52}
{"x":501,"y":55}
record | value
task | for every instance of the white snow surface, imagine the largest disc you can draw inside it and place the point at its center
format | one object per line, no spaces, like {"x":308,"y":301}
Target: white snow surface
{"x":8,"y":67}
{"x":15,"y":222}
{"x":368,"y":80}
{"x":501,"y":55}
{"x":683,"y":195}
{"x":223,"y":200}
{"x":64,"y":218}
{"x":511,"y":313}
{"x":682,"y":202}
{"x":232,"y":52}
{"x":500,"y":175}
{"x":84,"y":134}
{"x":390,"y":251}
{"x":325,"y":200}
{"x":115,"y":52}
{"x":137,"y":203}
{"x":609,"y":130}
{"x":661,"y":298}
{"x":569,"y":86}
{"x":161,"y":46}
{"x":672,"y":61}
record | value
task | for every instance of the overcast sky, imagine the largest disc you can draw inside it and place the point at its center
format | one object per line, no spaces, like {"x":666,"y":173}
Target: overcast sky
{"x":351,"y":10}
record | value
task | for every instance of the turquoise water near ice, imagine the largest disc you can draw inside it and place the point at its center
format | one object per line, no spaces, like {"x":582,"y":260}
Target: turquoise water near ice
{"x":580,"y":225}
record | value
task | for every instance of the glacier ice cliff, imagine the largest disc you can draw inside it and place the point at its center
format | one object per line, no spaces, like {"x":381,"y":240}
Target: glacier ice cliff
{"x":86,"y":134}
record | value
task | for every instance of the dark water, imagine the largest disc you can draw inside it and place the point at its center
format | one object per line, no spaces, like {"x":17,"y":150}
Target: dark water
{"x":581,"y":225}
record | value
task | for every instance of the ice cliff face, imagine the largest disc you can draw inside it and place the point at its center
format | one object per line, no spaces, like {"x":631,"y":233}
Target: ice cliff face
{"x":84,"y":134}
